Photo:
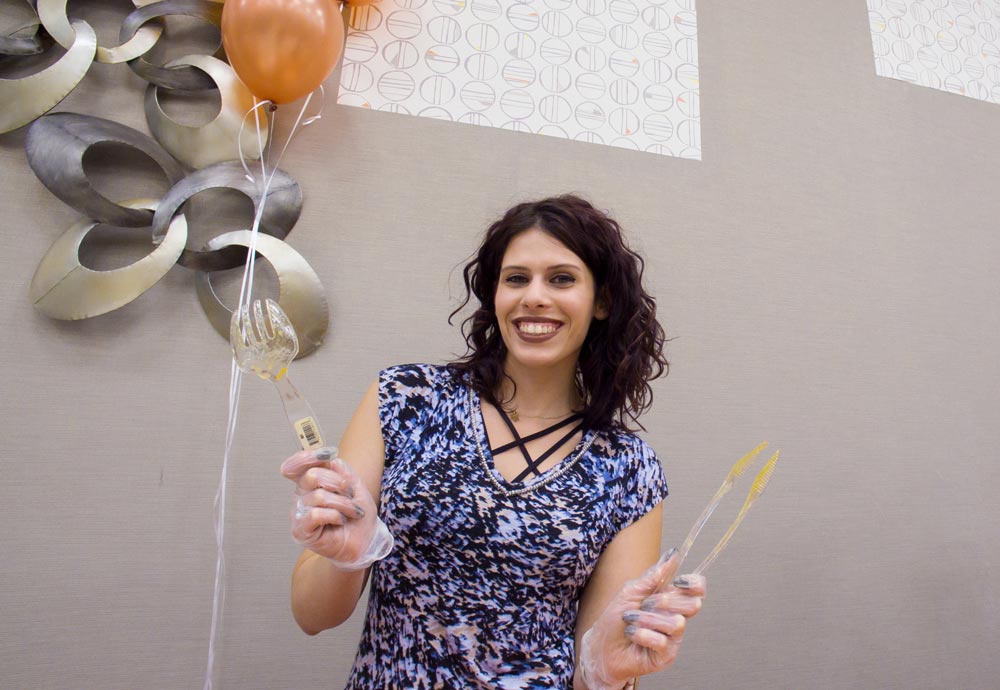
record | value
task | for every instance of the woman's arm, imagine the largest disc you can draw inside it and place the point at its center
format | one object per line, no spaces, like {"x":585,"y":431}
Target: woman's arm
{"x":630,"y":553}
{"x":324,"y":596}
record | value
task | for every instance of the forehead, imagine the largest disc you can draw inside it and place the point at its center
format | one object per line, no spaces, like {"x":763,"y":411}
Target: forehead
{"x":535,"y":246}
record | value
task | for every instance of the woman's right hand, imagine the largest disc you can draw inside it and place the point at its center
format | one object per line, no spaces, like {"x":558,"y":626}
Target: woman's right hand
{"x":334,"y":514}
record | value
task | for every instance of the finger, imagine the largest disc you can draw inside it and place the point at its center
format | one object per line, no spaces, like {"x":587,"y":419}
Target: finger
{"x":328,"y":479}
{"x":321,"y":498}
{"x":666,"y":568}
{"x":670,"y":624}
{"x":695,"y":585}
{"x":666,"y":623}
{"x":308,"y":519}
{"x":664,"y":645}
{"x":672,"y":601}
{"x":297,"y":465}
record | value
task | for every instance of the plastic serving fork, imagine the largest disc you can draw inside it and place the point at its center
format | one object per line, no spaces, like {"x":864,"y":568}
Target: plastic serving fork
{"x":756,"y":489}
{"x":265,"y":344}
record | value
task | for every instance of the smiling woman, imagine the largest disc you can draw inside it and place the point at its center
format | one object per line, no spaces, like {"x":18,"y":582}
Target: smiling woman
{"x":509,"y":518}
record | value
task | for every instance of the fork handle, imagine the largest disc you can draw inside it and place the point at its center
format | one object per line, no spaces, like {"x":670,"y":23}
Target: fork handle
{"x":300,"y":415}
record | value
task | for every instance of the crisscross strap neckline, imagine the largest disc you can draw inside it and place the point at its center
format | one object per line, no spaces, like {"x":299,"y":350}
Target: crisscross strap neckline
{"x":521,"y":442}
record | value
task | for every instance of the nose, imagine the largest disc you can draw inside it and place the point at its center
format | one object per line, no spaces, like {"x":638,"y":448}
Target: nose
{"x":535,"y":294}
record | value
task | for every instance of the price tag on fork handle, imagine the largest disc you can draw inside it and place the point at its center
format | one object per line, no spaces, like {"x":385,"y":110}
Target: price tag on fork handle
{"x":308,"y":433}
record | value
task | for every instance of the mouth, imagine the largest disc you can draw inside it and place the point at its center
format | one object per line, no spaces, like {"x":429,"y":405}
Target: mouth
{"x":536,"y":329}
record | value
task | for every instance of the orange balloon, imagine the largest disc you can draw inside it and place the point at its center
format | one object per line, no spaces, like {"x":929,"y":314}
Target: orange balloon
{"x":282,"y":49}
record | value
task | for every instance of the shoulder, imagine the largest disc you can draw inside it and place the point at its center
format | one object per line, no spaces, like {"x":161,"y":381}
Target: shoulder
{"x":415,"y":378}
{"x":626,"y":450}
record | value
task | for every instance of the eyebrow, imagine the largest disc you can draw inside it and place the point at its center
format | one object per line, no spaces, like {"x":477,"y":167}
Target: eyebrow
{"x":549,"y":268}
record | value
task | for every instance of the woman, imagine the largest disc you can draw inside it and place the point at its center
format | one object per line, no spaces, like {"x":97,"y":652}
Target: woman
{"x":515,"y":540}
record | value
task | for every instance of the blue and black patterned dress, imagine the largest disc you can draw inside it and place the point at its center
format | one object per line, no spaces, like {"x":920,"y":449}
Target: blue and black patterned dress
{"x":481,"y":590}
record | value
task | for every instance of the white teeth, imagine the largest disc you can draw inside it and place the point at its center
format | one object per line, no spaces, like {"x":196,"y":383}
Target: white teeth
{"x":537,"y":328}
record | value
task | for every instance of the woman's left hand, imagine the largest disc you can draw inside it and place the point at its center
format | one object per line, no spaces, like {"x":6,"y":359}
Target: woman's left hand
{"x":641,"y":629}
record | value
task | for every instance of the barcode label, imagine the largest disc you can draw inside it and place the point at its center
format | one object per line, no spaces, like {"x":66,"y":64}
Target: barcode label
{"x":308,"y":436}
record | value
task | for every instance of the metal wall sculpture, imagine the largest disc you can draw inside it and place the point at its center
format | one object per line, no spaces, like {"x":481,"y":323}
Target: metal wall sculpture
{"x":62,"y":287}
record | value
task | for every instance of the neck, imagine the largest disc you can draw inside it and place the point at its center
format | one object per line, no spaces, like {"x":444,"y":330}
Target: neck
{"x":541,"y":392}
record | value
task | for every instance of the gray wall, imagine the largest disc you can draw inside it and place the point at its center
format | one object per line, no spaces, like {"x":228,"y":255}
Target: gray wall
{"x":828,"y":272}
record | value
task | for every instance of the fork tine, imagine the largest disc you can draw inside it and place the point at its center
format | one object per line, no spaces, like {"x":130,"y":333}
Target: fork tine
{"x":259,"y":327}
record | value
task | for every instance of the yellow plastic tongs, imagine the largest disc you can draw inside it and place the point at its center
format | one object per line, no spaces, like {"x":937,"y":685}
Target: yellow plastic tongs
{"x":756,"y":489}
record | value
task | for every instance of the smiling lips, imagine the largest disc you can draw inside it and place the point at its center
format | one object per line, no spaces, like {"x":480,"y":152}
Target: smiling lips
{"x":536,"y":329}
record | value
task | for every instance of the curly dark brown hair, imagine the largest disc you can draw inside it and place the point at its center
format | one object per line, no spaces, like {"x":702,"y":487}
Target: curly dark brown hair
{"x":620,"y":355}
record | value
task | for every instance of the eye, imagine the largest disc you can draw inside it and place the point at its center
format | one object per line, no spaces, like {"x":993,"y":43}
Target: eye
{"x":516,"y":279}
{"x":563,"y":279}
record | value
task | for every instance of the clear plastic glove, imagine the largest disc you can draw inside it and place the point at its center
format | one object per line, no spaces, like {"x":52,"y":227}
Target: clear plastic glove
{"x":334,"y":513}
{"x":641,"y":629}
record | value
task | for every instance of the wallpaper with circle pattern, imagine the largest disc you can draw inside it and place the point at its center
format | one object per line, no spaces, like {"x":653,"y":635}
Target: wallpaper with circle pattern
{"x":952,"y":45}
{"x":615,"y":72}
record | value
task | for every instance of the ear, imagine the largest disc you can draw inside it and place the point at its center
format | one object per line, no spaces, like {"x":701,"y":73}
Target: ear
{"x":601,"y":308}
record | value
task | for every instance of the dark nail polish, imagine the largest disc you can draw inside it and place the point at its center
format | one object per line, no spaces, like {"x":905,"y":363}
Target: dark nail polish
{"x":648,"y":604}
{"x":682,"y":582}
{"x":358,"y":510}
{"x":667,"y":555}
{"x":630,"y":630}
{"x":630,"y":617}
{"x":323,"y":454}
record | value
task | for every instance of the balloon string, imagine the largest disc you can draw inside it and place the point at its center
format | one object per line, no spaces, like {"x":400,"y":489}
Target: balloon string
{"x":236,"y":375}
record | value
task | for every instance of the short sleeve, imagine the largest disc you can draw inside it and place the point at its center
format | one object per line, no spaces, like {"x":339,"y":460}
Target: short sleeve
{"x":406,"y":395}
{"x":643,"y":487}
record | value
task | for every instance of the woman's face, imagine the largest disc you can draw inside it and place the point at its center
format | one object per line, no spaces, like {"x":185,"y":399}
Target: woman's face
{"x":545,"y":301}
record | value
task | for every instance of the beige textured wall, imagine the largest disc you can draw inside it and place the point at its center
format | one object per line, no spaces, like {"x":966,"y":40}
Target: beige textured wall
{"x":829,"y":274}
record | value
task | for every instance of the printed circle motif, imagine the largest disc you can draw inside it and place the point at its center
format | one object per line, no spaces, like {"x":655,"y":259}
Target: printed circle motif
{"x":516,"y":126}
{"x":481,"y":66}
{"x":657,"y":44}
{"x":686,"y":50}
{"x":410,"y":5}
{"x":591,"y":7}
{"x":359,"y":47}
{"x":658,"y":127}
{"x":590,"y":115}
{"x":356,"y":77}
{"x":482,"y":37}
{"x":394,"y":108}
{"x":519,"y":45}
{"x":591,"y":58}
{"x":623,"y":92}
{"x":441,"y":59}
{"x":404,"y":24}
{"x":553,"y":131}
{"x":591,"y":29}
{"x":444,"y":30}
{"x":624,"y":36}
{"x":477,"y":95}
{"x":555,"y":51}
{"x":449,"y":8}
{"x":517,"y":104}
{"x":555,"y":108}
{"x":657,"y":71}
{"x":687,"y":76}
{"x":400,"y":54}
{"x":365,"y":18}
{"x":559,"y":4}
{"x":396,"y":85}
{"x":689,"y":132}
{"x":624,"y":122}
{"x":590,"y":85}
{"x":656,"y":18}
{"x":476,"y":119}
{"x":658,"y":97}
{"x":623,"y":11}
{"x":519,"y":73}
{"x":555,"y":79}
{"x":435,"y":113}
{"x":437,"y":90}
{"x":486,"y":10}
{"x":589,"y":137}
{"x":689,"y":103}
{"x":522,"y":17}
{"x":686,"y":23}
{"x":623,"y":63}
{"x":556,"y":24}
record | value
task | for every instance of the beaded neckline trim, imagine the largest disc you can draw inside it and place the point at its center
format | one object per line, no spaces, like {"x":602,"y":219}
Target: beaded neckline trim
{"x":550,"y":476}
